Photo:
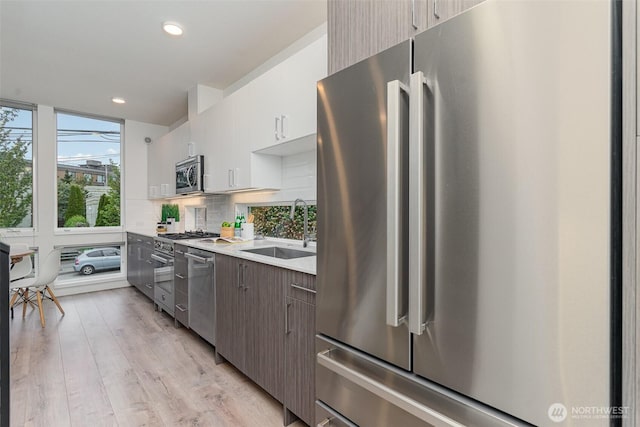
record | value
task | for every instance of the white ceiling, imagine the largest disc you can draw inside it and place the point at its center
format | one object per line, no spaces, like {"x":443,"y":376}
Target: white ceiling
{"x":77,"y":55}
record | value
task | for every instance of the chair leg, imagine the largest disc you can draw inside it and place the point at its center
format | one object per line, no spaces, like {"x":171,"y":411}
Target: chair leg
{"x":53,"y":297}
{"x":25,"y":296}
{"x":39,"y":297}
{"x":14,"y":298}
{"x":16,"y":293}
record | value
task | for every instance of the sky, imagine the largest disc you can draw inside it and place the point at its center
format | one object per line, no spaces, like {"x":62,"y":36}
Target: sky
{"x":79,"y":138}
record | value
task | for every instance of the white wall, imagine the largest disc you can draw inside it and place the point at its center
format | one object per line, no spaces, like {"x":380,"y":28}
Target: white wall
{"x":139,"y":212}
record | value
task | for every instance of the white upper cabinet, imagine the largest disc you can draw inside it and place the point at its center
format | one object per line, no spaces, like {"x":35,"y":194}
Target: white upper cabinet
{"x":283,"y":100}
{"x":230,"y":164}
{"x":277,"y":107}
{"x":162,"y":156}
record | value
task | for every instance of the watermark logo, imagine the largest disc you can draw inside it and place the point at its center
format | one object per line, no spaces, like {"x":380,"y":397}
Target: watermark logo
{"x":557,"y":412}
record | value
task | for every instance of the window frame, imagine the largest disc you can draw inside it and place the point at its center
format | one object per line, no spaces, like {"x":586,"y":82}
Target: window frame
{"x":9,"y":232}
{"x":57,"y":231}
{"x":244,"y":209}
{"x":72,"y":280}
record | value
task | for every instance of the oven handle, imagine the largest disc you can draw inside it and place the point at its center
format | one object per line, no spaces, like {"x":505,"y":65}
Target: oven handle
{"x":159,"y":259}
{"x":198,"y":258}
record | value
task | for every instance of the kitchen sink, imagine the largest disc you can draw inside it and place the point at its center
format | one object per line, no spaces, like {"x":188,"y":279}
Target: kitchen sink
{"x":280,"y":252}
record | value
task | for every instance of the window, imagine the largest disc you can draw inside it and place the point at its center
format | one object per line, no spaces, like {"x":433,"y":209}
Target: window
{"x":96,"y":260}
{"x":16,"y":166}
{"x":275,"y":221}
{"x":88,"y":174}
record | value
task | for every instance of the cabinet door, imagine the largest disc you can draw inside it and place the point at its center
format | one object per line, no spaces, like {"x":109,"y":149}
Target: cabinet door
{"x":146,"y":269}
{"x":441,"y":10}
{"x":299,"y":351}
{"x":265,"y":296}
{"x":359,"y":29}
{"x":299,"y":76}
{"x":230,"y":331}
{"x":220,"y":150}
{"x":282,"y":106}
{"x":132,"y":256}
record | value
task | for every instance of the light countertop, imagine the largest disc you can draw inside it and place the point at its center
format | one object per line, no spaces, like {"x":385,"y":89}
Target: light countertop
{"x":304,"y":265}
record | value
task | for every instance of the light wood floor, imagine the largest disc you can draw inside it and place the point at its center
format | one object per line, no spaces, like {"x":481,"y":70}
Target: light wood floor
{"x":113,"y":361}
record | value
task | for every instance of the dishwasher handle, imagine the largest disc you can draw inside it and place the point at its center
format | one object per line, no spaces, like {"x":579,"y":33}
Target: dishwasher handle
{"x":200,"y":259}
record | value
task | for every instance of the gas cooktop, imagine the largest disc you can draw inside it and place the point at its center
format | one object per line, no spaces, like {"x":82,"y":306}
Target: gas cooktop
{"x":188,"y":235}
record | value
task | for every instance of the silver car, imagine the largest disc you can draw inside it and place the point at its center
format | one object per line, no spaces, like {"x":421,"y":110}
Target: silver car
{"x":94,"y":260}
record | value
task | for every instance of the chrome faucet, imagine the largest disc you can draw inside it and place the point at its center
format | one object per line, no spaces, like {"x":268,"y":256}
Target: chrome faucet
{"x":305,"y":231}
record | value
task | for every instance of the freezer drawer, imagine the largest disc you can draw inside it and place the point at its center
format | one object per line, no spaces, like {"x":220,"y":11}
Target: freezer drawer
{"x":372,"y":393}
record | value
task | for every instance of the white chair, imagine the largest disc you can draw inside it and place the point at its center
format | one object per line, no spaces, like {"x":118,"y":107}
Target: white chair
{"x":40,"y":283}
{"x":23,"y":267}
{"x":19,"y":270}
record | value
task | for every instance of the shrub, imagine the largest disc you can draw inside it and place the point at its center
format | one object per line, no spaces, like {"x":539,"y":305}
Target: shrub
{"x":76,"y":221}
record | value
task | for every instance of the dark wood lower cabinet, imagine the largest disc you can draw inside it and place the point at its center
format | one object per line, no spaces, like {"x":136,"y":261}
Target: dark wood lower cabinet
{"x":252,"y":301}
{"x":250,"y":321}
{"x":139,"y":265}
{"x":299,"y":365}
{"x":230,"y":329}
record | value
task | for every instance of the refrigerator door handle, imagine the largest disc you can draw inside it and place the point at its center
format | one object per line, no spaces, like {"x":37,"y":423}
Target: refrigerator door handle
{"x":394,"y":192}
{"x":417,"y":206}
{"x":385,"y":392}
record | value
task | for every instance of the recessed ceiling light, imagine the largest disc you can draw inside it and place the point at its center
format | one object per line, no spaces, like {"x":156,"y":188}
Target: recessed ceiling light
{"x":117,"y":100}
{"x":172,"y":28}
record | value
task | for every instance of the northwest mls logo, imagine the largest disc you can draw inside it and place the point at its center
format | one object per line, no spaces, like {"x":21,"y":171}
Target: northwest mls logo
{"x":557,"y":412}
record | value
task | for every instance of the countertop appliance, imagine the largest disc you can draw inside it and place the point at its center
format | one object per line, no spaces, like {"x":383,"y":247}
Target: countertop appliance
{"x":202,"y":293}
{"x":190,"y":175}
{"x":468,"y":215}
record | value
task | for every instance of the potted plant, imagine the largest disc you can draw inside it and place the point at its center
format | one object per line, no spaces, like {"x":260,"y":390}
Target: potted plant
{"x":227,"y":229}
{"x":171,"y":216}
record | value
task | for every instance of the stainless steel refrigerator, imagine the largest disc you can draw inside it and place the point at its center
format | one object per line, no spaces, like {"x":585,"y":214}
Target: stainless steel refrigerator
{"x":468,"y":219}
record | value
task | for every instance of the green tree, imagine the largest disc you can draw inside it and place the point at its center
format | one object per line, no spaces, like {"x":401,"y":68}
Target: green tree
{"x":64,"y":188}
{"x":15,"y":174}
{"x":102,"y":204}
{"x":109,"y":214}
{"x":76,"y":204}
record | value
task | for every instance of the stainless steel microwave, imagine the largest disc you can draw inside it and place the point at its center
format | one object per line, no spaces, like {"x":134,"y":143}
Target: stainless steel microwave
{"x":190,"y":175}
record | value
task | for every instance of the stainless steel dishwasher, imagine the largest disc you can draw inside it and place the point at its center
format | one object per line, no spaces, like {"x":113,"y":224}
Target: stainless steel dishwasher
{"x":202,"y":293}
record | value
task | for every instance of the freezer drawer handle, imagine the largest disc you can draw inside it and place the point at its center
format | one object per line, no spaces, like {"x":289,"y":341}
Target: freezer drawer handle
{"x":400,"y":400}
{"x":417,"y":207}
{"x":395,"y":89}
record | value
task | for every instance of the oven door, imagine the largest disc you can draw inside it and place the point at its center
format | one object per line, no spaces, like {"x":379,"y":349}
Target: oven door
{"x":163,"y":280}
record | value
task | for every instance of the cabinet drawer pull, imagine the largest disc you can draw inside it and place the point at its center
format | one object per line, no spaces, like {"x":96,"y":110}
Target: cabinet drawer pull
{"x":181,"y":308}
{"x":180,"y":276}
{"x":179,"y":252}
{"x":148,"y":285}
{"x":302,"y":288}
{"x":286,"y":319}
